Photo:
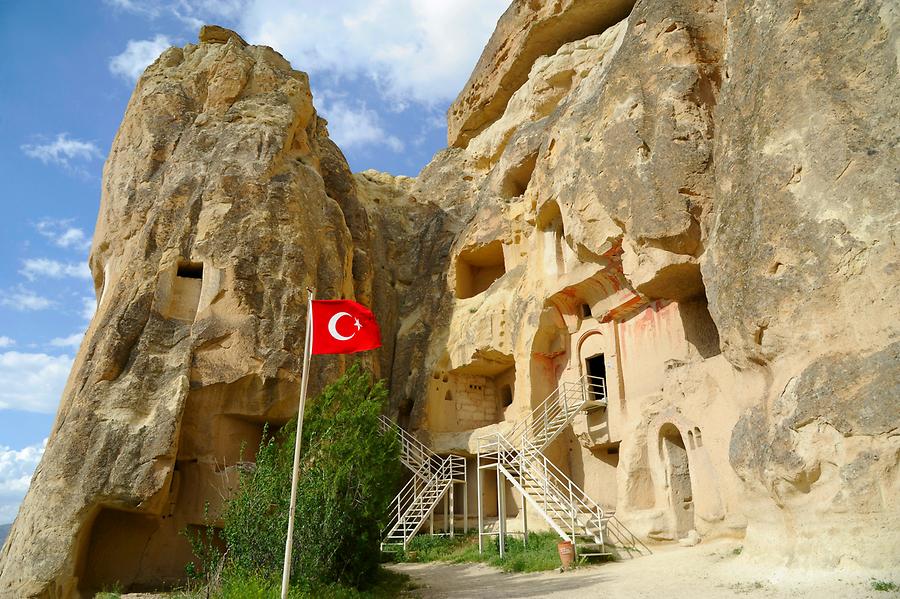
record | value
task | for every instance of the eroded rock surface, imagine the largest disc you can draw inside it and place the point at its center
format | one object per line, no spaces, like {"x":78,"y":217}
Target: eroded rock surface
{"x":525,"y":32}
{"x":695,"y":202}
{"x":707,"y":197}
{"x":223,"y":200}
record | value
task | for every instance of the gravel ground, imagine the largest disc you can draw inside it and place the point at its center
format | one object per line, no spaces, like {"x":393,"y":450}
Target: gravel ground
{"x":709,"y":570}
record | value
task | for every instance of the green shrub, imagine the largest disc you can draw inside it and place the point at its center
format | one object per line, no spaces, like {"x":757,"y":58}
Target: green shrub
{"x":349,"y":473}
{"x":884,"y":585}
{"x":206,"y":545}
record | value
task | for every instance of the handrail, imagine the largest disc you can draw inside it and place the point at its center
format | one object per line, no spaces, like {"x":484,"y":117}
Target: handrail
{"x":625,"y":537}
{"x":387,"y":423}
{"x":518,"y":453}
{"x":564,"y":483}
{"x":537,"y":454}
{"x":566,"y":399}
{"x":558,"y":488}
{"x":435,"y":480}
{"x":432,"y":475}
{"x":403,"y":500}
{"x":450,"y":468}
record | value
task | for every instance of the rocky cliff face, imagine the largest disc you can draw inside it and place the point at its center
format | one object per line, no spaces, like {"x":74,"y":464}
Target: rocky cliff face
{"x":734,"y":165}
{"x":223,"y":200}
{"x":705,"y":195}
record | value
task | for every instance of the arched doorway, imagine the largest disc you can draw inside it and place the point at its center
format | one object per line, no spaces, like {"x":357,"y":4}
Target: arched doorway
{"x":674,"y":458}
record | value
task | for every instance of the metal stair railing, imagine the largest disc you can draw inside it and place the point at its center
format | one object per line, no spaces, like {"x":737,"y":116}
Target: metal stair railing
{"x":406,"y":521}
{"x":550,"y":417}
{"x":624,"y":538}
{"x":400,"y":504}
{"x":414,"y":454}
{"x":433,"y":475}
{"x":563,"y":504}
{"x":560,"y":501}
{"x":584,"y":513}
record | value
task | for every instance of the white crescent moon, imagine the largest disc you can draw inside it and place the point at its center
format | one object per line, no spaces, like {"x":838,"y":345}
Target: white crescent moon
{"x":332,"y":326}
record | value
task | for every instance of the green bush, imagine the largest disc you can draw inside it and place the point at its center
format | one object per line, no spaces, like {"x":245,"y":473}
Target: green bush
{"x":349,"y":473}
{"x":884,"y":585}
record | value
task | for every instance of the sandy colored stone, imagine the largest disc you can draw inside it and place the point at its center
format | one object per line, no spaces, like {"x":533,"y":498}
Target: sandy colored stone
{"x":214,"y":34}
{"x":704,"y":195}
{"x":686,"y":193}
{"x":526,"y":31}
{"x":223,"y":200}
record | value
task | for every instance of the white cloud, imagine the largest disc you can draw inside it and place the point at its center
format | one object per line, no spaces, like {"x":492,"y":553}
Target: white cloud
{"x":36,"y":268}
{"x":138,"y":54}
{"x":6,"y":341}
{"x":193,"y":14}
{"x":32,"y":381}
{"x":72,"y":341}
{"x":24,"y":300}
{"x":88,"y":307}
{"x":148,"y":7}
{"x":355,"y":125}
{"x":63,"y":234}
{"x":415,"y":50}
{"x":64,"y":151}
{"x":73,"y":237}
{"x":16,"y":469}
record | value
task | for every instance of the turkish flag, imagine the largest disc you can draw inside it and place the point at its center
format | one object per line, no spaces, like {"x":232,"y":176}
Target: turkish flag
{"x":343,"y":327}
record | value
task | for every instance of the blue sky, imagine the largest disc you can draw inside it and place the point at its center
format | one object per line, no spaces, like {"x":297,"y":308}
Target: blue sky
{"x":383,"y":73}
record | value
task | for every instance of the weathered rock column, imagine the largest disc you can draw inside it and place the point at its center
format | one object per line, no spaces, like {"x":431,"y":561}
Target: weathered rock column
{"x":214,"y":219}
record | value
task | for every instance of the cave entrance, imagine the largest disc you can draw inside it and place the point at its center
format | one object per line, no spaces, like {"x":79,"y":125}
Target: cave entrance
{"x":185,"y":291}
{"x":595,"y":368}
{"x":677,"y":479}
{"x":477,"y":268}
{"x":134,"y":552}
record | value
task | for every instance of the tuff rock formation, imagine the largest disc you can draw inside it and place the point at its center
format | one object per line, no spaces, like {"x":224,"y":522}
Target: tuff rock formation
{"x":695,"y":201}
{"x":223,"y":200}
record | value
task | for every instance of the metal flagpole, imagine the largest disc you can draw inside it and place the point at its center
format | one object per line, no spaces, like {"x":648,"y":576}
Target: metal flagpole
{"x":304,"y":380}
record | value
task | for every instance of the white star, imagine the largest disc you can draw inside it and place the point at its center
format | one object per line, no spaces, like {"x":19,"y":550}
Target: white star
{"x":357,"y":323}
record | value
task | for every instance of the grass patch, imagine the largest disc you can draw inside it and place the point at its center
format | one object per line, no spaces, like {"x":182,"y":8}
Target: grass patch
{"x":538,"y":556}
{"x":113,"y":592}
{"x":884,"y":585}
{"x":237,"y":584}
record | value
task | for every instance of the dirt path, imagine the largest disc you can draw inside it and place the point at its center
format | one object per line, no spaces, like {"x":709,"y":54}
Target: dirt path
{"x":706,"y":571}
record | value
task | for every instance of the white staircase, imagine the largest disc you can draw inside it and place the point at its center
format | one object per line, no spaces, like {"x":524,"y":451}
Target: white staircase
{"x":518,"y":457}
{"x":433,"y":479}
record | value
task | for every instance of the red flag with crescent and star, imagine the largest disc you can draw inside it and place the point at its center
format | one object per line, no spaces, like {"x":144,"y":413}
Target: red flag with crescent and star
{"x":343,"y":327}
